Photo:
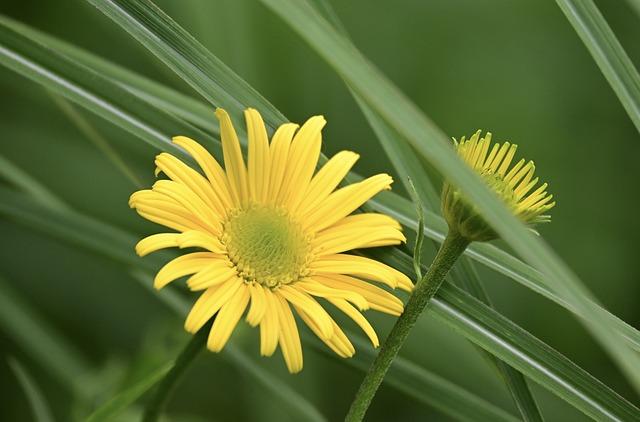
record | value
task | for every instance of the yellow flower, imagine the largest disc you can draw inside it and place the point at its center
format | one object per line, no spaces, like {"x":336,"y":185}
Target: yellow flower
{"x":513,"y":185}
{"x":272,"y":237}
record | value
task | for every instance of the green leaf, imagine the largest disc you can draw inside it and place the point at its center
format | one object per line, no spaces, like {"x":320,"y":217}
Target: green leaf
{"x":429,"y":141}
{"x":124,"y":399}
{"x":197,"y":113}
{"x":607,"y":52}
{"x":37,"y":401}
{"x":474,"y":320}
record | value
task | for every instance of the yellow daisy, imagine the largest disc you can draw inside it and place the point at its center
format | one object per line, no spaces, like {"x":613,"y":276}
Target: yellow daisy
{"x":271,"y":237}
{"x":512,"y":184}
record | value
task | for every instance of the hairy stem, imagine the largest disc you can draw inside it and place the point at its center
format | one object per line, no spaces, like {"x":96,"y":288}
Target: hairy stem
{"x":450,"y":250}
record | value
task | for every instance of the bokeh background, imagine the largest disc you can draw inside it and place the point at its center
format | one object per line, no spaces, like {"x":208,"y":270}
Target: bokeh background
{"x":515,"y":68}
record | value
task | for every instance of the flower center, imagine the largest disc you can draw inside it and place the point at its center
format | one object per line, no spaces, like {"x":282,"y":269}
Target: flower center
{"x":266,"y":246}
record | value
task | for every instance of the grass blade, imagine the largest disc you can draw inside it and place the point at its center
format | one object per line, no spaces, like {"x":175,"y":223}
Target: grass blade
{"x":90,"y":132}
{"x":208,"y":75}
{"x":124,"y":399}
{"x":613,"y":61}
{"x":37,"y":401}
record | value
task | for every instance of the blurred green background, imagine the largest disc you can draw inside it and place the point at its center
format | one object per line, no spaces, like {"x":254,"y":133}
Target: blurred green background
{"x":515,"y":68}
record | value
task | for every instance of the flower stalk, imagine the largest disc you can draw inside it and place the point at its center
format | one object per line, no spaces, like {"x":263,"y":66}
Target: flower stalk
{"x":451,"y":249}
{"x":185,"y":358}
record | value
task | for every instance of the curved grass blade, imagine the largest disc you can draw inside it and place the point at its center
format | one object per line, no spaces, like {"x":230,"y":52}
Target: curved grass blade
{"x":474,"y":320}
{"x":208,"y":75}
{"x":428,"y":140}
{"x":124,"y":399}
{"x":37,"y":401}
{"x":197,"y":114}
{"x":92,"y":134}
{"x":613,"y":61}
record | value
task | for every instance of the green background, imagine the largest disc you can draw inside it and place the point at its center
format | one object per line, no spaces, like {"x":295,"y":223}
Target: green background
{"x":515,"y":68}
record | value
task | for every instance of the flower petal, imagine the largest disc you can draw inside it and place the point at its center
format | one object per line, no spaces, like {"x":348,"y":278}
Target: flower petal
{"x":209,"y":303}
{"x":227,"y":319}
{"x":233,"y":161}
{"x":181,"y":266}
{"x":327,"y":179}
{"x":289,"y":338}
{"x":259,"y":157}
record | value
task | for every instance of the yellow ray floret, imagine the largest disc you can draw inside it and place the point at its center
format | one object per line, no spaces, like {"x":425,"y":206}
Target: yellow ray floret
{"x":272,"y":236}
{"x":512,"y":183}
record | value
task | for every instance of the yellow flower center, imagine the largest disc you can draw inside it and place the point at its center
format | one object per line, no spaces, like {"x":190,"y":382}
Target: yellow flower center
{"x":266,"y":246}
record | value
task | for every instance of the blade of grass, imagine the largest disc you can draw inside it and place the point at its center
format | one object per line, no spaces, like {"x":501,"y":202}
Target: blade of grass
{"x":208,"y":75}
{"x":124,"y":399}
{"x":127,"y":111}
{"x":197,"y":113}
{"x":606,"y":50}
{"x":430,"y":142}
{"x":409,"y":167}
{"x":91,"y":133}
{"x":474,"y":320}
{"x":37,"y":401}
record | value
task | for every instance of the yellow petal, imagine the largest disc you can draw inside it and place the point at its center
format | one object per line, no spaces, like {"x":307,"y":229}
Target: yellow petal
{"x":269,"y":325}
{"x":258,"y":304}
{"x":363,"y":267}
{"x":327,"y":179}
{"x":181,"y":266}
{"x":210,"y":166}
{"x":344,"y":201}
{"x":347,"y":239}
{"x":378,"y":299}
{"x":303,"y":301}
{"x":233,"y":161}
{"x":338,"y":342}
{"x":279,"y":150}
{"x":214,"y":274}
{"x":190,"y":201}
{"x":289,"y":338}
{"x":359,"y":319}
{"x":227,"y":319}
{"x":315,"y":288}
{"x":156,"y":242}
{"x":259,"y":158}
{"x":180,"y":172}
{"x":209,"y":303}
{"x":302,"y":161}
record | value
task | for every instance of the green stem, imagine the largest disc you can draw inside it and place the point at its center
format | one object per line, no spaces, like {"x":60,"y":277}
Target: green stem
{"x":450,"y":250}
{"x":168,"y":383}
